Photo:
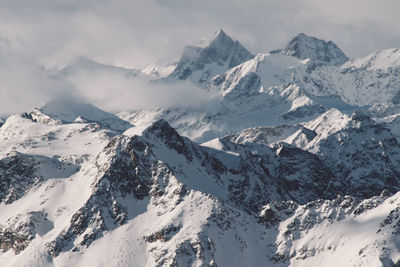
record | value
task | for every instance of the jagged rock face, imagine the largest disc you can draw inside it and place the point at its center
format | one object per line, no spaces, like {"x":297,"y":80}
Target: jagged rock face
{"x":201,"y":64}
{"x":300,"y":171}
{"x":303,"y":46}
{"x":17,"y":175}
{"x":21,"y":172}
{"x":360,"y":142}
{"x":19,"y":231}
{"x":364,"y":155}
{"x":121,"y":174}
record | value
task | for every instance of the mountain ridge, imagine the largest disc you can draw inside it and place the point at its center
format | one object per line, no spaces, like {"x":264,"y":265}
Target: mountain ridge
{"x":304,"y":46}
{"x":293,"y":163}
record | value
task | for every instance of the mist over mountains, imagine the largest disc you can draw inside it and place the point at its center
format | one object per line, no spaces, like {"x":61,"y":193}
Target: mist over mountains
{"x":219,"y":158}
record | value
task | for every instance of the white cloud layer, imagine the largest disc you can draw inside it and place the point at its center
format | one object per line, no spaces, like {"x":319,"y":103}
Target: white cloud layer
{"x":116,"y":92}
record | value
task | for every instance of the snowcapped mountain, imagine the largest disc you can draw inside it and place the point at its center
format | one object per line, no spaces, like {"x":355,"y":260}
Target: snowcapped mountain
{"x":294,"y":162}
{"x":379,"y":60}
{"x":158,"y":71}
{"x":307,"y":47}
{"x":83,"y":64}
{"x":162,"y":199}
{"x":200,"y":64}
{"x":277,"y":85}
{"x":67,"y":110}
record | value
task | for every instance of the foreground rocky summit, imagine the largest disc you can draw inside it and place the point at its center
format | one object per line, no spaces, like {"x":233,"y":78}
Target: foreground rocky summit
{"x":161,"y":199}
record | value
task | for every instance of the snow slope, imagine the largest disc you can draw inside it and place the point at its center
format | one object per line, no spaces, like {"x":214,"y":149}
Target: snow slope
{"x":379,"y":60}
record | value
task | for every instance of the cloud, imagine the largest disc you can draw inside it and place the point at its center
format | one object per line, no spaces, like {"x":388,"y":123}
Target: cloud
{"x":117,"y":92}
{"x":25,"y":85}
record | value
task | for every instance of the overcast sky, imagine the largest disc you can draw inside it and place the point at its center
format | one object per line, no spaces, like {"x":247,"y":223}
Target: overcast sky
{"x":135,"y":33}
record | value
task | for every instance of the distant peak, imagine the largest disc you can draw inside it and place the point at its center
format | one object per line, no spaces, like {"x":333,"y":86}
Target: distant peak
{"x":304,"y":46}
{"x":219,"y":36}
{"x":306,"y":37}
{"x":303,"y":35}
{"x":214,"y":56}
{"x":221,"y":32}
{"x":69,"y":109}
{"x":82,"y":61}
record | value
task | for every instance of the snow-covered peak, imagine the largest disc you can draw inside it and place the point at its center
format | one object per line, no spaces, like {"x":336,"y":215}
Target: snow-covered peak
{"x":378,"y":60}
{"x":200,"y":64}
{"x":217,"y":38}
{"x":159,"y":71}
{"x":225,"y":49}
{"x":328,"y":123}
{"x":71,"y":110}
{"x":82,"y":63}
{"x":303,"y":46}
{"x":264,"y":70}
